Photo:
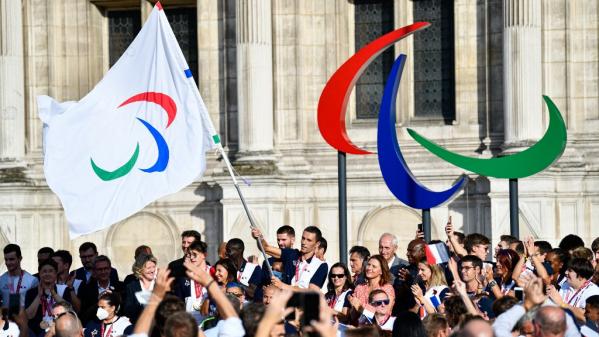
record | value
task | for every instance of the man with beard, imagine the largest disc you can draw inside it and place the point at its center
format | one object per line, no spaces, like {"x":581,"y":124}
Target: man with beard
{"x":301,"y":268}
{"x":285,"y":239}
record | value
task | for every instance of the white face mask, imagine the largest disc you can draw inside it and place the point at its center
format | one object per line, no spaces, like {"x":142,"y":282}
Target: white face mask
{"x":102,"y":314}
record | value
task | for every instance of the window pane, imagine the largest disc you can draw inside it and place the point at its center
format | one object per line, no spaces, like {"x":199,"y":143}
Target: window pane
{"x":434,"y":74}
{"x":373,"y":18}
{"x":183,"y":21}
{"x":123,"y":26}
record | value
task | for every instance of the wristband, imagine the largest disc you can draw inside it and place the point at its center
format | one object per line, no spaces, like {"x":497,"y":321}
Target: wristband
{"x":492,"y":283}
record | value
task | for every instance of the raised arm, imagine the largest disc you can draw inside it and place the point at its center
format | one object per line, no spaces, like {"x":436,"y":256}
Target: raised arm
{"x":224,"y":307}
{"x":161,"y":287}
{"x":270,"y":250}
{"x":536,"y":261}
{"x":453,"y":240}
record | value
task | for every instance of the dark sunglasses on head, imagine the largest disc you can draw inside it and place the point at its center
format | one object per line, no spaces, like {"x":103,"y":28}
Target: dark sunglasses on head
{"x":337,"y":275}
{"x":379,"y":303}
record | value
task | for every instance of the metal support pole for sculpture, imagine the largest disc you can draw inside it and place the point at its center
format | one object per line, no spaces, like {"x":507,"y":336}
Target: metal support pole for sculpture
{"x":426,"y":224}
{"x":514,"y":219}
{"x":245,"y":207}
{"x":342,"y":183}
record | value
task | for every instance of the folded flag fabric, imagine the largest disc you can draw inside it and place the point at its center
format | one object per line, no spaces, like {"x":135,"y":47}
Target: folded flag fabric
{"x":436,"y":253}
{"x":139,"y":135}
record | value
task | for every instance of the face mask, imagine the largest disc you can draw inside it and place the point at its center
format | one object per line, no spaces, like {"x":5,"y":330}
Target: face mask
{"x":277,"y":274}
{"x":102,"y":314}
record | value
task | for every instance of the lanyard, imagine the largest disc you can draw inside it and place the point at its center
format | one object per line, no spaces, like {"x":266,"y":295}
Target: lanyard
{"x":198,"y":289}
{"x":108,"y":332}
{"x":333,"y":301}
{"x":47,"y":304}
{"x":298,"y":274}
{"x":12,"y":285}
{"x":584,"y":286}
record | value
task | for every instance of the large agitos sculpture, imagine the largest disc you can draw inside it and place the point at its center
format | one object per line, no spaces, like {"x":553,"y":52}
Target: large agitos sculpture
{"x":396,"y":173}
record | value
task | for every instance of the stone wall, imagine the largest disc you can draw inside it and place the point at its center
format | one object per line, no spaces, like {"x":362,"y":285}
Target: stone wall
{"x":262,"y":92}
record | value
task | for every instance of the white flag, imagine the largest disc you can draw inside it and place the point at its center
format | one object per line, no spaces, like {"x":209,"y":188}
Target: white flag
{"x":140,"y":134}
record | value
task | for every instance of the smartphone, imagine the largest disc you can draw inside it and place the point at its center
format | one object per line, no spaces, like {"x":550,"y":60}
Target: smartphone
{"x":309,"y":303}
{"x":519,"y":293}
{"x":420,"y":227}
{"x":14,"y":305}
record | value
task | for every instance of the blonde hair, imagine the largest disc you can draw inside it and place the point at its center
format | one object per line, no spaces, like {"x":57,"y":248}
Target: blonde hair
{"x":140,"y":263}
{"x":437,"y":275}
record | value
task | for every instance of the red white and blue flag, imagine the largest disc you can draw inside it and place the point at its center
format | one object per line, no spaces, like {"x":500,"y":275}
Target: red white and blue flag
{"x":436,"y":253}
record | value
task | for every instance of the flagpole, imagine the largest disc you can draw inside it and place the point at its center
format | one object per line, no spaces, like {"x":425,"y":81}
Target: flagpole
{"x":245,"y":207}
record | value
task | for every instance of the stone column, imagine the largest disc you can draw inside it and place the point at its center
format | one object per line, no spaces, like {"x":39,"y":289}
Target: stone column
{"x":254,"y":79}
{"x":12,"y":91}
{"x":522,"y":72}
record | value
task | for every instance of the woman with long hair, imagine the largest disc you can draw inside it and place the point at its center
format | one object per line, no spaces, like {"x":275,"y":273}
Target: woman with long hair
{"x":507,"y":260}
{"x":339,"y":286}
{"x":377,"y":277}
{"x":435,"y":288}
{"x":224,"y":272}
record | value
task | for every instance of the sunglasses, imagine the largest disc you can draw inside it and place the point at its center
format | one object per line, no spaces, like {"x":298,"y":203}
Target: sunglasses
{"x":337,"y":275}
{"x":379,"y":303}
{"x":55,"y":318}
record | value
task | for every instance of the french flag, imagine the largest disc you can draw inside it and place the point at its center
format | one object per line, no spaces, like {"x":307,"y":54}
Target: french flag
{"x":436,"y":253}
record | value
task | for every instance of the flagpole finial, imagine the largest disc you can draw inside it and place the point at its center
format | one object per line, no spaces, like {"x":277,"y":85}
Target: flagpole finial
{"x":158,"y":5}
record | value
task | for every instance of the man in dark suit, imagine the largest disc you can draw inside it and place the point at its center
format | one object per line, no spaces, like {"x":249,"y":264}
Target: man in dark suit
{"x":187,"y":237}
{"x":99,"y":283}
{"x":388,"y":245}
{"x":87,"y":253}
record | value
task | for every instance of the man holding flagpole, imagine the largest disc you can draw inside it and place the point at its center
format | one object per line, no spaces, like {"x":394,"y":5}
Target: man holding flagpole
{"x":301,"y":268}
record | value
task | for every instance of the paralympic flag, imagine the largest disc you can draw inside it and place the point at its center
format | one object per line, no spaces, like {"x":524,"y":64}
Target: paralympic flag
{"x":139,"y":135}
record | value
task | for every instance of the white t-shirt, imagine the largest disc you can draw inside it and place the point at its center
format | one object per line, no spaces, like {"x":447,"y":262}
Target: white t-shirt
{"x":12,"y":331}
{"x":8,"y":285}
{"x":576,"y":298}
{"x":388,"y":325}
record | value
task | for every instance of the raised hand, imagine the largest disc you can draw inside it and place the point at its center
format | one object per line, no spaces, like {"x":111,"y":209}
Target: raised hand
{"x":163,"y":283}
{"x":533,"y":292}
{"x":404,"y":274}
{"x":554,"y":295}
{"x":449,"y":228}
{"x":417,"y":291}
{"x":256,"y":233}
{"x":197,"y":274}
{"x":529,"y":246}
{"x":460,"y":287}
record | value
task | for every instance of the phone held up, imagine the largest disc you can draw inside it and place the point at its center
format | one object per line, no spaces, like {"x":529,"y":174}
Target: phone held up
{"x":309,"y":304}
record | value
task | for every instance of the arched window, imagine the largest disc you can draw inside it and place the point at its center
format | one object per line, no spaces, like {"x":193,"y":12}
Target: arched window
{"x":434,"y":66}
{"x":373,"y":18}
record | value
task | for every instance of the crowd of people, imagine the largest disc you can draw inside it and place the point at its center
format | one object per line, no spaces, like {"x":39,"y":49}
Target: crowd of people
{"x":521,"y":288}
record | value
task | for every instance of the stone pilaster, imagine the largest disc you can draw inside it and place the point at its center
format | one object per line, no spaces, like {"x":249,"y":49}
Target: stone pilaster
{"x":12,"y":100}
{"x":522,"y":72}
{"x":254,"y":79}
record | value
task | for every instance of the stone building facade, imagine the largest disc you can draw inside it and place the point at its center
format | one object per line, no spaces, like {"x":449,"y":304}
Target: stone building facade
{"x":473,"y":83}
